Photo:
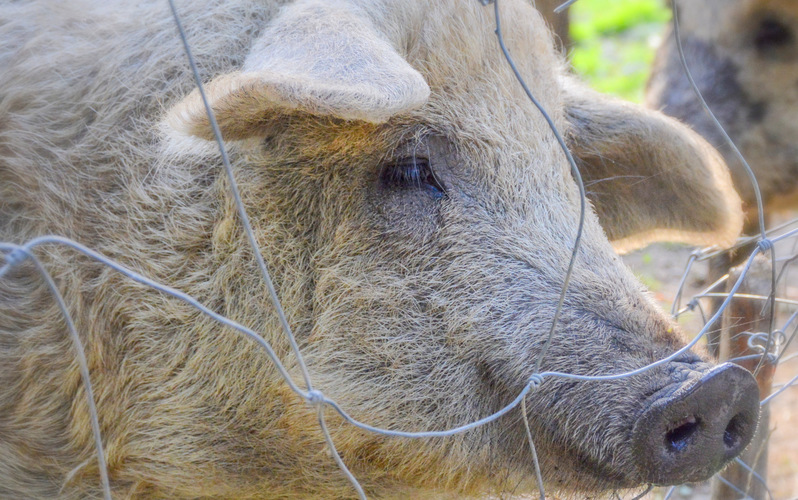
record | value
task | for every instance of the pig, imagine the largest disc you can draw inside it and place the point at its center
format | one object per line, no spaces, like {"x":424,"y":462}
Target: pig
{"x":743,"y":55}
{"x":417,"y":215}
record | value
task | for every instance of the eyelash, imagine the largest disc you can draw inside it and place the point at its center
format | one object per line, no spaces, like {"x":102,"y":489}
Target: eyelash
{"x":412,"y":173}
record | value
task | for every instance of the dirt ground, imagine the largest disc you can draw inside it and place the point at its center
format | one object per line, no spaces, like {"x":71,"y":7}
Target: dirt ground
{"x":661,"y":268}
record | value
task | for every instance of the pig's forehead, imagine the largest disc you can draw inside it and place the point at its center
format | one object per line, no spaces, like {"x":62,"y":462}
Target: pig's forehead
{"x":447,"y":39}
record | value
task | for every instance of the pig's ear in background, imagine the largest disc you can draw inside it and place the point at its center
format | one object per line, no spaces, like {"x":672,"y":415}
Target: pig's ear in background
{"x":315,"y":57}
{"x":649,"y":177}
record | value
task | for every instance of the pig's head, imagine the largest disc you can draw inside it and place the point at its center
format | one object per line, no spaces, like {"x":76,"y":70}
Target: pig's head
{"x":420,"y":216}
{"x":743,"y":55}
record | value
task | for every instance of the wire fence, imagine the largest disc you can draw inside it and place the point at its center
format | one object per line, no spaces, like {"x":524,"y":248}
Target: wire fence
{"x":779,"y":243}
{"x":771,"y":346}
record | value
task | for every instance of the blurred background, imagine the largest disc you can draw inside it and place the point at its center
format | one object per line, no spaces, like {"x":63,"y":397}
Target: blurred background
{"x":613,"y":43}
{"x":612,"y":47}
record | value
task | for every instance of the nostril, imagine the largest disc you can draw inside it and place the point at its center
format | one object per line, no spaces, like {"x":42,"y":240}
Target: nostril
{"x":677,"y":438}
{"x":734,"y":430}
{"x":691,"y":429}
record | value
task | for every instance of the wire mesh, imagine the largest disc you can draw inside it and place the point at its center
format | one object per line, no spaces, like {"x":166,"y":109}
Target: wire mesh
{"x":771,"y":345}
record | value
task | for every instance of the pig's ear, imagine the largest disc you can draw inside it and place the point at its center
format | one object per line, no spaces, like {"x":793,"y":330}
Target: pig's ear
{"x":317,"y":57}
{"x":649,"y":177}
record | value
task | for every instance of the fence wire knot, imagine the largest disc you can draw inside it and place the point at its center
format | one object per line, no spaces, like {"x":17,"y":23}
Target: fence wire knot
{"x":315,"y":398}
{"x":535,"y":380}
{"x":692,"y":304}
{"x":759,"y":341}
{"x":16,"y":257}
{"x":765,"y":244}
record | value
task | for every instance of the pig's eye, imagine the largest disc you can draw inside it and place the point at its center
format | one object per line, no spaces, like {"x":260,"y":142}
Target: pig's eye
{"x":412,"y":172}
{"x":772,"y":34}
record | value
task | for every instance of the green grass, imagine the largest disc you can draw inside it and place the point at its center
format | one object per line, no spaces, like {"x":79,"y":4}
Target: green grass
{"x":614,"y":43}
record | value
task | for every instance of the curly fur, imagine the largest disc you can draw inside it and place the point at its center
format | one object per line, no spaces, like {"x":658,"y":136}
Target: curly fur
{"x":742,"y":55}
{"x":413,"y":312}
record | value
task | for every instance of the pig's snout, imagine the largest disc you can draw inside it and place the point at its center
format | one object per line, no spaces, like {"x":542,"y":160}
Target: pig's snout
{"x":695,"y":428}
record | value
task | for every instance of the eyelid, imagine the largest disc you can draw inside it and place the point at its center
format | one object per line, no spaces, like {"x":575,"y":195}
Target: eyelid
{"x":412,"y":171}
{"x":438,"y":184}
{"x":772,"y":33}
